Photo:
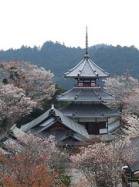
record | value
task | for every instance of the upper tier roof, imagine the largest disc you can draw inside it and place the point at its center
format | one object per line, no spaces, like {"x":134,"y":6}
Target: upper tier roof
{"x":86,"y":69}
{"x":85,"y":94}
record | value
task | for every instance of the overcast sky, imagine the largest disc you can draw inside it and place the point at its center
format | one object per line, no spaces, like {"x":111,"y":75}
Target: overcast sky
{"x":32,"y":22}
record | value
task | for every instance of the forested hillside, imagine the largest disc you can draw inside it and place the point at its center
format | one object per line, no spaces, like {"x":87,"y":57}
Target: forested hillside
{"x":59,"y":58}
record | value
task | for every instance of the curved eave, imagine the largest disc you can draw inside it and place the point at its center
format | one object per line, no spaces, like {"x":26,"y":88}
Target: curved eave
{"x":91,"y":77}
{"x":85,"y":94}
{"x":83,"y":100}
{"x":86,"y":69}
{"x":93,"y":116}
{"x":88,"y":111}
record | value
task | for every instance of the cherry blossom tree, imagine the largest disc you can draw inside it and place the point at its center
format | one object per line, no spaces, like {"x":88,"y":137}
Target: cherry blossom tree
{"x":125,"y":89}
{"x":31,"y":163}
{"x":131,"y":128}
{"x":131,"y":103}
{"x":23,"y":87}
{"x":13,"y":104}
{"x":36,"y":82}
{"x":101,"y":163}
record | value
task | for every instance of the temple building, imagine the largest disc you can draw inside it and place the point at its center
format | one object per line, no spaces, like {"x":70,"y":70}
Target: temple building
{"x":86,"y":115}
{"x":87,"y":99}
{"x":53,"y":122}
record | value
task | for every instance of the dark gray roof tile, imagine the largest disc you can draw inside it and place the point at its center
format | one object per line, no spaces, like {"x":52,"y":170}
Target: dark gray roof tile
{"x":42,"y":122}
{"x":85,"y":94}
{"x":88,"y":110}
{"x":86,"y":69}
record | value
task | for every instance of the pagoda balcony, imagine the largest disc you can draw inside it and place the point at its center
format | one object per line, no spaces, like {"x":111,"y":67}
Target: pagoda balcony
{"x":86,"y":85}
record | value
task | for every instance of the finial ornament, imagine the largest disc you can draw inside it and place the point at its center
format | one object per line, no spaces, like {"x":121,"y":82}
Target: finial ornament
{"x":86,"y":43}
{"x":52,"y":106}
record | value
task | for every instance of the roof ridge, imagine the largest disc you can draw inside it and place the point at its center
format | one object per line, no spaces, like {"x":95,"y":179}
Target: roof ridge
{"x":98,"y":66}
{"x":97,"y":108}
{"x":82,"y":67}
{"x":77,"y":108}
{"x":62,"y":94}
{"x":77,"y":95}
{"x":74,"y":67}
{"x":98,"y":96}
{"x":93,"y":68}
{"x":108,"y":93}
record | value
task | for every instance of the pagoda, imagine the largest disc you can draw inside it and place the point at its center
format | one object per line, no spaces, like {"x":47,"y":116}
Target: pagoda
{"x":87,"y":99}
{"x":85,"y":116}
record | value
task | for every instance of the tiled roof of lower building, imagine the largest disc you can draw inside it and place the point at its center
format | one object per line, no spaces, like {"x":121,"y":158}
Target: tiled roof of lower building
{"x":49,"y":118}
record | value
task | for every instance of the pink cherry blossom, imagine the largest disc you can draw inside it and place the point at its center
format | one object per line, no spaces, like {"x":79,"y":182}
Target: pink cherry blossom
{"x":14,"y":103}
{"x":37,"y":82}
{"x":102,"y":162}
{"x":124,"y":88}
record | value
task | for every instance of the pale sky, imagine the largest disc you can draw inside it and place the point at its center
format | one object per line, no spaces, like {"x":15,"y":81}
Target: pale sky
{"x":33,"y":22}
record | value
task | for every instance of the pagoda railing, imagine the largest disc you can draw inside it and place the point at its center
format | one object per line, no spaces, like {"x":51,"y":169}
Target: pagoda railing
{"x":94,"y":86}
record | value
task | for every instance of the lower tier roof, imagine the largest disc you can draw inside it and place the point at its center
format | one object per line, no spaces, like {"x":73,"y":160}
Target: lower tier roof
{"x":88,"y":110}
{"x":85,"y":94}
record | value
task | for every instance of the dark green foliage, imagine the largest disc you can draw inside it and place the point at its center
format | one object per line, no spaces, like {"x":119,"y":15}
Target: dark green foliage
{"x":26,"y":119}
{"x":65,"y":179}
{"x":48,"y":103}
{"x":45,"y":106}
{"x":5,"y":125}
{"x":5,"y":81}
{"x":59,"y":58}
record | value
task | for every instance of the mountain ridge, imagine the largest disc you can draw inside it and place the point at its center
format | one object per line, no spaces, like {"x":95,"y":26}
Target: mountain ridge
{"x":59,"y":58}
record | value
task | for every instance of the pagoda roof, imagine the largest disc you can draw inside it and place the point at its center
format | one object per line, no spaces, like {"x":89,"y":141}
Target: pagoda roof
{"x":75,"y":110}
{"x":86,"y":69}
{"x":46,"y":120}
{"x":85,"y":94}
